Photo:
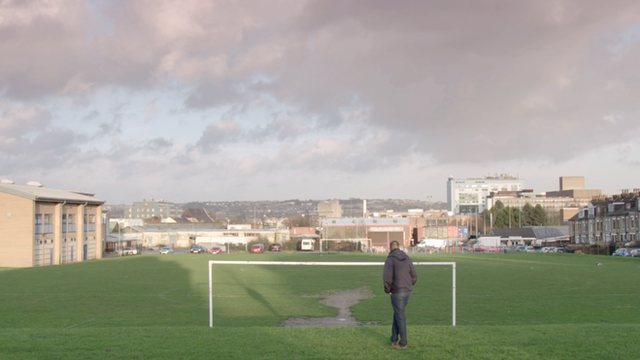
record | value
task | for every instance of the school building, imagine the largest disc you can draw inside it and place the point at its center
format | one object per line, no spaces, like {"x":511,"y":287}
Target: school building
{"x":42,"y":226}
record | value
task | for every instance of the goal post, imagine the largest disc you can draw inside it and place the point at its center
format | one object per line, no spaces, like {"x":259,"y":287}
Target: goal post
{"x":301,"y":263}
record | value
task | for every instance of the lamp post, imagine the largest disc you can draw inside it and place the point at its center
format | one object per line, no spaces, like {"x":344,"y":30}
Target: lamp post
{"x":119,"y":241}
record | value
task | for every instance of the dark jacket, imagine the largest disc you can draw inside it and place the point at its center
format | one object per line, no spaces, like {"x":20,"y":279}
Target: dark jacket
{"x":399,"y":273}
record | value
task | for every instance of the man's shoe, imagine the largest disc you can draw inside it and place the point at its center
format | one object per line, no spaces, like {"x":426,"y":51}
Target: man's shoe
{"x":398,"y":346}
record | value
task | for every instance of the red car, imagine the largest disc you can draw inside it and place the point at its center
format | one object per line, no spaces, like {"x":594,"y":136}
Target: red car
{"x":216,"y":250}
{"x":257,"y":249}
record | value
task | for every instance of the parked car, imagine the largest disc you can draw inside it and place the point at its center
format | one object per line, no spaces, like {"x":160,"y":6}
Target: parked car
{"x":561,"y":250}
{"x":166,"y":250}
{"x":129,"y":251}
{"x":531,"y":249}
{"x":307,"y":245}
{"x":198,"y":250}
{"x":635,"y":252}
{"x":622,"y":252}
{"x":216,"y":250}
{"x":257,"y":249}
{"x":521,"y":248}
{"x":274,"y":247}
{"x":547,"y":249}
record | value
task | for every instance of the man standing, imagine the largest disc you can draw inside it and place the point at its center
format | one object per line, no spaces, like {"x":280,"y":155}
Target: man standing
{"x":399,"y":277}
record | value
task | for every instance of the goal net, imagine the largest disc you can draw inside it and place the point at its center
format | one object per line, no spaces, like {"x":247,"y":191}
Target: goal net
{"x":300,"y":263}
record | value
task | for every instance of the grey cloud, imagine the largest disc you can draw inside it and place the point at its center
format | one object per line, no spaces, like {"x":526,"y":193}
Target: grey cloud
{"x":110,"y":128}
{"x":459,"y":81}
{"x":19,"y":121}
{"x":210,"y":93}
{"x":470,"y":78}
{"x":219,"y":133}
{"x":159,"y":144}
{"x":49,"y":149}
{"x":280,"y":129}
{"x":92,"y":115}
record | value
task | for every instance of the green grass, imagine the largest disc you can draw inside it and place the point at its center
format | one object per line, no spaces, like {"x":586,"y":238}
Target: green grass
{"x":510,"y":306}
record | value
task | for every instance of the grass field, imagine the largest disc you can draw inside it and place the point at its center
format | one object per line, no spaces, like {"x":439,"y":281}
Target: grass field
{"x":510,"y":306}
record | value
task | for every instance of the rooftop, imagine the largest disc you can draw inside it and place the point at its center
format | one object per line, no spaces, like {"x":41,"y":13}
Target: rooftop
{"x":37,"y":193}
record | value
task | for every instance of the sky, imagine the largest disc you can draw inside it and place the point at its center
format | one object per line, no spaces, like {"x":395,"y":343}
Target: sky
{"x":317,"y":99}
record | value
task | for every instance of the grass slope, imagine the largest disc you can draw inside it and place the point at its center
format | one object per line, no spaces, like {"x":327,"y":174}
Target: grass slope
{"x":525,"y":306}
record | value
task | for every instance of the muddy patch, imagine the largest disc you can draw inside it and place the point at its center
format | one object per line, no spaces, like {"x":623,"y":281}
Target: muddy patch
{"x":343,"y":300}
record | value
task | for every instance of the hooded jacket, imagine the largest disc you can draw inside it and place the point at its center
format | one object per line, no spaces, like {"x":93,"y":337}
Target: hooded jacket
{"x":399,"y":273}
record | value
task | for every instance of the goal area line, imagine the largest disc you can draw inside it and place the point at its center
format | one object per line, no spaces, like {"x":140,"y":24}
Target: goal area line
{"x":302,"y":263}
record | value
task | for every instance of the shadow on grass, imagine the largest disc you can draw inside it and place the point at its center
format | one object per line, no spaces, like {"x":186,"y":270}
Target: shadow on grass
{"x":132,"y":291}
{"x":257,"y":296}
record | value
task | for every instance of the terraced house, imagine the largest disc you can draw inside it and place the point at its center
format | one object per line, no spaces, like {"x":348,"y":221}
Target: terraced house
{"x":610,"y":221}
{"x":41,"y":226}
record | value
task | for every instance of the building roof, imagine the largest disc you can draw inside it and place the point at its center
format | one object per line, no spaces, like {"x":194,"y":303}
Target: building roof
{"x":43,"y":194}
{"x":174,"y":219}
{"x":366,"y":221}
{"x":525,"y":232}
{"x":546,"y":232}
{"x":200,"y":215}
{"x":538,"y":232}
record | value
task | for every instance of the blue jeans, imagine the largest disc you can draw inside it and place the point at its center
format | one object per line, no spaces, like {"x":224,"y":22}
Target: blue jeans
{"x":399,"y":301}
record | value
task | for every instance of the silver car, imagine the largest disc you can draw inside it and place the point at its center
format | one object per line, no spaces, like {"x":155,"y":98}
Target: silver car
{"x":129,"y":251}
{"x":166,"y":250}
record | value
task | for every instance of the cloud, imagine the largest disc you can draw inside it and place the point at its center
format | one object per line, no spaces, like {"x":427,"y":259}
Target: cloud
{"x":219,"y":133}
{"x":159,"y":145}
{"x":279,"y":129}
{"x":109,"y":128}
{"x":354,"y":87}
{"x":17,"y":121}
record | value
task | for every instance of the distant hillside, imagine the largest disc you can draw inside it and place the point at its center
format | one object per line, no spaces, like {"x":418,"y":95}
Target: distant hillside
{"x":286,"y":208}
{"x":246,"y":210}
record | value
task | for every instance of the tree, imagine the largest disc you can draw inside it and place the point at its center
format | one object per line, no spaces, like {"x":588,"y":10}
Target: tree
{"x":540,"y":216}
{"x":515,"y":215}
{"x":301,"y":221}
{"x":527,"y":215}
{"x":501,"y":219}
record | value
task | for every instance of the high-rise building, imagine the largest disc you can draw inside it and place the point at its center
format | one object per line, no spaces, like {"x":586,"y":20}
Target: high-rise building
{"x":152,"y":208}
{"x":468,"y":196}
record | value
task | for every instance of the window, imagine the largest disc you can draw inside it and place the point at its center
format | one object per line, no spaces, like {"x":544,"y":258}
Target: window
{"x":48,"y":224}
{"x":71,"y":223}
{"x":89,"y":222}
{"x":64,"y":223}
{"x":38,"y":224}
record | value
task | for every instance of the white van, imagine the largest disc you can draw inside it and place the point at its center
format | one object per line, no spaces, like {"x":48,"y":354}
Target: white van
{"x":306,"y":245}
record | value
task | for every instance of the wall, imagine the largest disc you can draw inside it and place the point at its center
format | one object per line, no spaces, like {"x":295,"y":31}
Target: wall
{"x":17,"y":229}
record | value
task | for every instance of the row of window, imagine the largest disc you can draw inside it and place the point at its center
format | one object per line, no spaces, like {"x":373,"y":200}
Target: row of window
{"x":50,"y":241}
{"x":44,"y":223}
{"x":609,"y":224}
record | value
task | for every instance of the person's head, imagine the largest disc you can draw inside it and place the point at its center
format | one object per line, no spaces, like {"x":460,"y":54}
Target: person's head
{"x":394,"y":245}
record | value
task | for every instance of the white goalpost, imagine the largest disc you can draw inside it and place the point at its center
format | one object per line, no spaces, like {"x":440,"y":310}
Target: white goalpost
{"x":219,"y":262}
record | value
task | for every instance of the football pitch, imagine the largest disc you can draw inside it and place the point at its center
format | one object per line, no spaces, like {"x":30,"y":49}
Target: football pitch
{"x":509,"y":306}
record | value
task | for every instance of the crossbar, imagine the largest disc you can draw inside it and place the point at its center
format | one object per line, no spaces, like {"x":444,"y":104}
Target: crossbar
{"x":304,"y":263}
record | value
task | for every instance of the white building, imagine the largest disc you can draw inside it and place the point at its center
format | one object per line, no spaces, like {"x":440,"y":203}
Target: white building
{"x":468,"y":196}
